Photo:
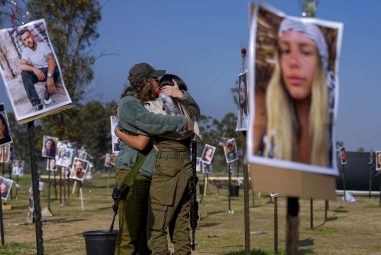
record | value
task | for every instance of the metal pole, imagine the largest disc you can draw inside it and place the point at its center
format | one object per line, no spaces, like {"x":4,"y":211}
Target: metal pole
{"x":276,"y":225}
{"x":229,"y":183}
{"x":61,"y":186}
{"x":49,"y":186}
{"x":292,"y":233}
{"x":380,"y":193}
{"x":326,"y":206}
{"x":55,"y":185}
{"x":370,"y":180}
{"x":311,"y":213}
{"x":36,"y":191}
{"x":344,"y":184}
{"x":1,"y":220}
{"x":246,"y":200}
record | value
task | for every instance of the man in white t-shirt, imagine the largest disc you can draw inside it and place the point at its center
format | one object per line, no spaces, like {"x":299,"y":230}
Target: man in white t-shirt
{"x":38,"y":65}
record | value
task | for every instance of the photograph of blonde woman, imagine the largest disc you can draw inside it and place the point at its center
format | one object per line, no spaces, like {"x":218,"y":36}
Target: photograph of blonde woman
{"x":299,"y":94}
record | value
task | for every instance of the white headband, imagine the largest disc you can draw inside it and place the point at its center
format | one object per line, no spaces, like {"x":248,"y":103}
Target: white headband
{"x":312,"y":32}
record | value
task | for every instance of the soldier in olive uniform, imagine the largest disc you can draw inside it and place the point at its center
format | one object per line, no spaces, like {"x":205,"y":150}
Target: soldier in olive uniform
{"x":135,"y":119}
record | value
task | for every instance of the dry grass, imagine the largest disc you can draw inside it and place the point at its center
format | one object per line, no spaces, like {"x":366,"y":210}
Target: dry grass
{"x":351,"y":229}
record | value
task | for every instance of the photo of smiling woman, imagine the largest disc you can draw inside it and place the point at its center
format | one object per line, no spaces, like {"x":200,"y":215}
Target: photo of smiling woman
{"x":299,"y":98}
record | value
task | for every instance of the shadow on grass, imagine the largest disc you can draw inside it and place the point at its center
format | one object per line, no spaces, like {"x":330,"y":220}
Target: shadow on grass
{"x":206,"y":225}
{"x":65,"y":220}
{"x":210,"y":214}
{"x":340,"y":210}
{"x":306,"y":252}
{"x":306,"y":242}
{"x":255,"y":252}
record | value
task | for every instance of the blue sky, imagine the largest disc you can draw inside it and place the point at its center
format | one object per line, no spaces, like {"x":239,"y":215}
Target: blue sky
{"x":200,"y":40}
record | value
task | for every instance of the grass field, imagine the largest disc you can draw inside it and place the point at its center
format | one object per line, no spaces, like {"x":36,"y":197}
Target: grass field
{"x":351,"y":228}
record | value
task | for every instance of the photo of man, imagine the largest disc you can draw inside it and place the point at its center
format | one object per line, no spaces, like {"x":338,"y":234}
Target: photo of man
{"x":79,"y":169}
{"x":343,"y":155}
{"x":230,"y":150}
{"x":31,"y":72}
{"x":378,"y":160}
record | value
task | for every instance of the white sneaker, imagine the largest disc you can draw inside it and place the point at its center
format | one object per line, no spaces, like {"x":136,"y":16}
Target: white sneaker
{"x":48,"y":101}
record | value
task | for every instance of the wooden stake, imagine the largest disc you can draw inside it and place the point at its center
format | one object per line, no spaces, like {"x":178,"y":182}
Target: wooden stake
{"x":292,"y":232}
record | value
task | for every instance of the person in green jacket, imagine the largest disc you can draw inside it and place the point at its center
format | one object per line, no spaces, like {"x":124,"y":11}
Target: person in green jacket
{"x":169,"y":193}
{"x":135,"y":119}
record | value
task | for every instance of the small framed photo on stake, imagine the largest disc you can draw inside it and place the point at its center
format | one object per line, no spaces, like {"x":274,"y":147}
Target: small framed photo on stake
{"x":343,"y":155}
{"x":230,"y":150}
{"x":198,"y":164}
{"x":38,"y":93}
{"x":108,"y":162}
{"x":115,"y":141}
{"x":243,"y":106}
{"x":18,"y":168}
{"x":5,"y":153}
{"x":5,"y":132}
{"x":79,"y":169}
{"x":370,"y":160}
{"x":378,"y":160}
{"x":5,"y":187}
{"x":65,"y":156}
{"x":49,"y":146}
{"x":51,"y":165}
{"x":207,"y":168}
{"x":81,"y":153}
{"x":208,"y":153}
{"x":279,"y":144}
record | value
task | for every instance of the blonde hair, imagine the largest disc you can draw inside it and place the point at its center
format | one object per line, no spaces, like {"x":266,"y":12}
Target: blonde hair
{"x":282,"y":124}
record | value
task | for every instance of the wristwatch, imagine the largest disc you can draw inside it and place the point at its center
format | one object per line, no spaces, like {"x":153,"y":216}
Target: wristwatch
{"x":50,"y":75}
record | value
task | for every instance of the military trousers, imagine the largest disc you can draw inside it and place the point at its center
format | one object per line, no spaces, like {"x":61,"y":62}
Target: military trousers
{"x":169,"y":196}
{"x":133,"y":211}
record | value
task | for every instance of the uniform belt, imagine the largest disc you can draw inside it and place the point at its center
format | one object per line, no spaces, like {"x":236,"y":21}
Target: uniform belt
{"x":173,"y":155}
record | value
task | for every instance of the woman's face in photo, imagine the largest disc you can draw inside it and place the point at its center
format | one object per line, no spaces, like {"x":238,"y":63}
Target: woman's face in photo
{"x":242,"y":93}
{"x":2,"y":128}
{"x":298,"y":62}
{"x":208,"y":152}
{"x":49,"y":144}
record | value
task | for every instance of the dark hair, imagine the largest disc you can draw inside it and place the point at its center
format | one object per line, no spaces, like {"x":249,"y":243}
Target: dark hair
{"x":143,"y":89}
{"x":23,"y":31}
{"x":53,"y":144}
{"x":4,"y":122}
{"x":166,"y":80}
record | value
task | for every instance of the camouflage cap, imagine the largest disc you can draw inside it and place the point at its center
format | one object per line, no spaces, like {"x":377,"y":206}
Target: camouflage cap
{"x":142,"y":71}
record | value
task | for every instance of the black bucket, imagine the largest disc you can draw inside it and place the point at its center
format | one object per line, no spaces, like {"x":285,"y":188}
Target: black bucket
{"x":100,"y":242}
{"x":234,"y":191}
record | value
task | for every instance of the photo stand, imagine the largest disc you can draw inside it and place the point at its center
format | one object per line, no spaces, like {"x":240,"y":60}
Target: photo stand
{"x":47,"y":211}
{"x":230,"y":210}
{"x":80,"y":193}
{"x":1,"y":221}
{"x":36,"y":191}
